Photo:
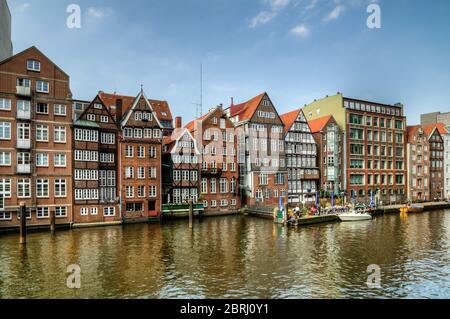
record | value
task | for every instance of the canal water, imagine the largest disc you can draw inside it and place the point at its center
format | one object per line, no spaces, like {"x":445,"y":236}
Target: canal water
{"x":235,"y":257}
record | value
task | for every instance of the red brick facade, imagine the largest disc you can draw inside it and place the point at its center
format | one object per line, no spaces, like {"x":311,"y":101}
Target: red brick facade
{"x":219,"y":175}
{"x":35,"y":139}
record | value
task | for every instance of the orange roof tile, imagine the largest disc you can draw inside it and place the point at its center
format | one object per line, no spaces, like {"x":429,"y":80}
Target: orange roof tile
{"x":428,"y":129}
{"x":317,"y":125}
{"x":161,"y":108}
{"x":411,"y":131}
{"x":191,"y":125}
{"x":288,"y":119}
{"x":247,"y":109}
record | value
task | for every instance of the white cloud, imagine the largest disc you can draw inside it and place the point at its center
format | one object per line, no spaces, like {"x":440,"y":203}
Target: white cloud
{"x":335,"y":14}
{"x":301,"y":31}
{"x":262,"y":18}
{"x":99,"y":13}
{"x":278,"y":4}
{"x":23,"y":7}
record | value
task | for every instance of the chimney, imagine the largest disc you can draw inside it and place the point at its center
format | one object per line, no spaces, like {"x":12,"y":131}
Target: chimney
{"x":178,"y":122}
{"x":232,"y":101}
{"x":118,"y":109}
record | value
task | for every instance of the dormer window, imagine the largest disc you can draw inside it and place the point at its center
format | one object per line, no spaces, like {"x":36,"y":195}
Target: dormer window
{"x":33,"y":65}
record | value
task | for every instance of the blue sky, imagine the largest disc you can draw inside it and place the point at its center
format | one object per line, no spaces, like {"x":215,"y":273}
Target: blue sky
{"x":296,"y":50}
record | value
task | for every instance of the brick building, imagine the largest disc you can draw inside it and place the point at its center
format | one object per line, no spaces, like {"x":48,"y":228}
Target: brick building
{"x":261,"y":156}
{"x":216,"y":138}
{"x":328,"y":137}
{"x":426,"y":162}
{"x":374,"y":146}
{"x":35,"y":139}
{"x":96,"y":165}
{"x":140,"y":153}
{"x":301,"y":158}
{"x":180,"y":166}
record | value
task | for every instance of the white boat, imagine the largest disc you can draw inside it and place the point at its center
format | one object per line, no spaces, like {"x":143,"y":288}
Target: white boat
{"x":354,"y":216}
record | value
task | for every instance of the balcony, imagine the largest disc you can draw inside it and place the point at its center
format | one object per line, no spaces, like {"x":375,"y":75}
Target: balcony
{"x":24,"y":169}
{"x":23,"y":90}
{"x":23,"y":115}
{"x":24,"y":144}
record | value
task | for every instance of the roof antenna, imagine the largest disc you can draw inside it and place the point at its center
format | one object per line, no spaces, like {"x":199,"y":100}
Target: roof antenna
{"x":142,"y":88}
{"x":200,"y":105}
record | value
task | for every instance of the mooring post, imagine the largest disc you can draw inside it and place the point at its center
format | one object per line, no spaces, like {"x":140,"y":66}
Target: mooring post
{"x":52,"y":221}
{"x":23,"y":223}
{"x":191,"y":214}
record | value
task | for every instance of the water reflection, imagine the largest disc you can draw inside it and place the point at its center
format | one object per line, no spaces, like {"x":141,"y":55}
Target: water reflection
{"x":235,"y":257}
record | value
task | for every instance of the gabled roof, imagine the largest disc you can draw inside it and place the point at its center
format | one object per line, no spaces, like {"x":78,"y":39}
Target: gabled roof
{"x":247,"y":109}
{"x":33,"y":48}
{"x":191,"y":125}
{"x":127,"y":114}
{"x":319,"y":124}
{"x":161,"y":108}
{"x":289,"y":118}
{"x":172,"y":140}
{"x":428,"y":130}
{"x":411,"y":131}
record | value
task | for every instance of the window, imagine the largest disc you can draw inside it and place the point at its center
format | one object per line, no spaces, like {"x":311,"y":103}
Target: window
{"x":42,"y":108}
{"x":5,"y":130}
{"x":23,"y":82}
{"x":23,"y":131}
{"x":59,"y":160}
{"x":84,"y":211}
{"x":129,"y":151}
{"x":94,"y":211}
{"x":204,"y":186}
{"x":42,"y":159}
{"x":156,"y":133}
{"x":152,"y":172}
{"x":107,"y":138}
{"x":213,"y":203}
{"x":24,"y":188}
{"x":42,"y":87}
{"x":152,"y":152}
{"x":42,"y":188}
{"x":263,"y":179}
{"x":152,"y":191}
{"x":141,"y":151}
{"x":60,"y":211}
{"x":106,"y":157}
{"x":5,"y":187}
{"x":213,"y":186}
{"x":86,"y":135}
{"x":91,"y":117}
{"x":42,"y":212}
{"x":223,"y":203}
{"x":59,"y":109}
{"x":138,"y":133}
{"x":5,"y":158}
{"x":109,"y":211}
{"x":33,"y":65}
{"x":42,"y":133}
{"x":134,"y":207}
{"x":141,"y":191}
{"x":129,"y":191}
{"x":60,"y":134}
{"x":60,"y":188}
{"x":129,"y":172}
{"x":5,"y":104}
{"x":141,"y":172}
{"x":223,"y":185}
{"x":355,"y":119}
{"x":104,"y":119}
